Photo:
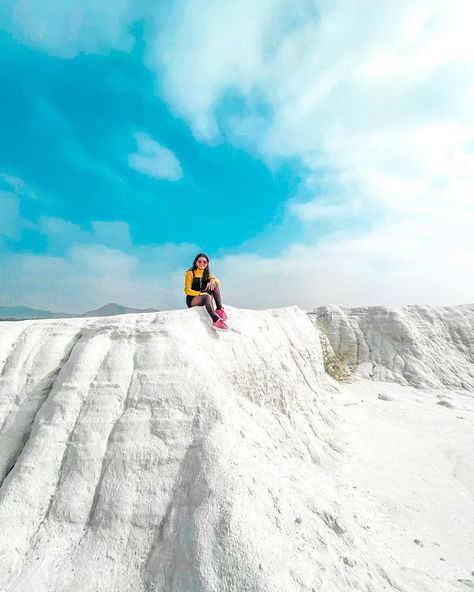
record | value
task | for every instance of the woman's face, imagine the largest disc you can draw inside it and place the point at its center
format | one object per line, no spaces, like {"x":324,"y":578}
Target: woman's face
{"x":202,"y":263}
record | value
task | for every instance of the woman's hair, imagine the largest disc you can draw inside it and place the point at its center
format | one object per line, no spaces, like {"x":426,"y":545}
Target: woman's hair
{"x":207,"y":271}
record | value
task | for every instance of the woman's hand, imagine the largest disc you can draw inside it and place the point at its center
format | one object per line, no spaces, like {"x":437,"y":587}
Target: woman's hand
{"x":211,"y":285}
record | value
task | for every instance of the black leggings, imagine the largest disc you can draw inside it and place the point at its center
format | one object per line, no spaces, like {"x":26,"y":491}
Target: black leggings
{"x":205,"y":299}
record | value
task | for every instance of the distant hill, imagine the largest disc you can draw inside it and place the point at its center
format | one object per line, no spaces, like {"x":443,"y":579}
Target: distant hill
{"x":19,"y":313}
{"x":25,"y":312}
{"x":111,"y":309}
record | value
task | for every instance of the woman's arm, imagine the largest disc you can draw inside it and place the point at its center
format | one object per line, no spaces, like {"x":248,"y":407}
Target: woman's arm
{"x":188,"y":282}
{"x":213,"y":283}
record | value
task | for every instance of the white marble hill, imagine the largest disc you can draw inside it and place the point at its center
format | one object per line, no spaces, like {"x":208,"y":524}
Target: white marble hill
{"x":149,"y":453}
{"x":422,"y":346}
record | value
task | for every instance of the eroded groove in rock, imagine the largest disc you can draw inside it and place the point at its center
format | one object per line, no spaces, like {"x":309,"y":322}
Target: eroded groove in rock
{"x":71,"y":502}
{"x":13,"y":346}
{"x":114,"y":427}
{"x":9,"y":342}
{"x":18,"y":424}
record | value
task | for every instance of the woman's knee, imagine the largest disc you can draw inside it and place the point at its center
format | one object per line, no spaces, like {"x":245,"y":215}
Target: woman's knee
{"x":199,"y":300}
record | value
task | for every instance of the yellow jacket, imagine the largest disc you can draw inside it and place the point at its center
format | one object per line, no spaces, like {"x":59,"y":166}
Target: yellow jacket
{"x":188,"y":281}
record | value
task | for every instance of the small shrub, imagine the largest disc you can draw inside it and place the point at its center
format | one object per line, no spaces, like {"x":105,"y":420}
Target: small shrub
{"x":335,"y":364}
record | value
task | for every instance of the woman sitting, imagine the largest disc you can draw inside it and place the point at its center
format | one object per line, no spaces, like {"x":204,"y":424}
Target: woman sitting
{"x":202,"y":288}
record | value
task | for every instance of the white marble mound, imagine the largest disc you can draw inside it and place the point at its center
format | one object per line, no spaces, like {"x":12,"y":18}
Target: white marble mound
{"x":421,"y":346}
{"x":149,"y":453}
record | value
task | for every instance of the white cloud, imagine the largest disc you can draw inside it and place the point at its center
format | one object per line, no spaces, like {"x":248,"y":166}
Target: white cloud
{"x":12,"y":222}
{"x":17,"y":186}
{"x":329,"y":106}
{"x":154,"y":159}
{"x":90,"y":275}
{"x":425,"y":259}
{"x":325,"y":209}
{"x":14,"y":183}
{"x":377,"y":104}
{"x":62,"y":233}
{"x":205,"y":47}
{"x":428,"y":259}
{"x":98,"y":264}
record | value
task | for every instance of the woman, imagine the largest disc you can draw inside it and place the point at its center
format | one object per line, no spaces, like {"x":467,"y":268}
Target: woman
{"x":201,"y":288}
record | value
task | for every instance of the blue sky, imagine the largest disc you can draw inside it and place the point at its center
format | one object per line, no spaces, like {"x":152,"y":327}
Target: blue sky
{"x":319,"y":153}
{"x":82,"y":119}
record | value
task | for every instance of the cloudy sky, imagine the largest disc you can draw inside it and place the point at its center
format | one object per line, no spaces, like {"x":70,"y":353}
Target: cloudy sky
{"x":319,"y":151}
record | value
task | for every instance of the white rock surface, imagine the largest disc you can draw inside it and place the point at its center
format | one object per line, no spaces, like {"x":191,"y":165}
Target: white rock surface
{"x":149,"y":453}
{"x":409,"y":470}
{"x":422,"y":346}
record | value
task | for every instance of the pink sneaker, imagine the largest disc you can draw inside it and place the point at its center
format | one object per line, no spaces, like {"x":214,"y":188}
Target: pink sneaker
{"x":220,"y":325}
{"x":221,"y":313}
